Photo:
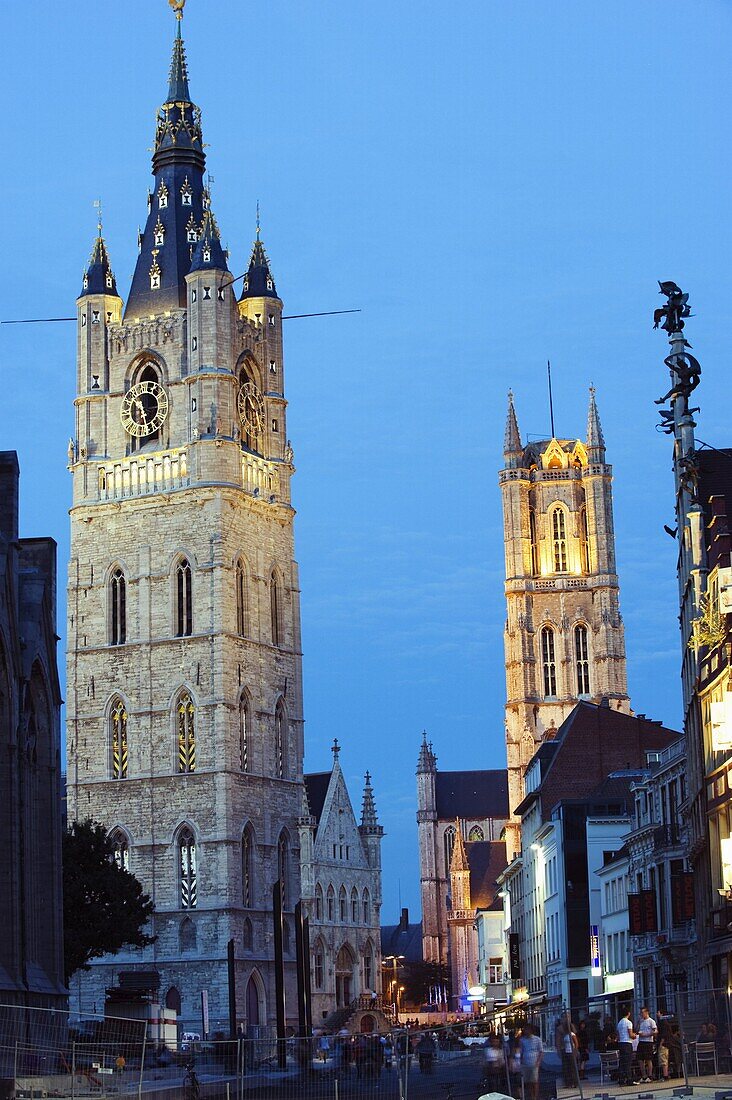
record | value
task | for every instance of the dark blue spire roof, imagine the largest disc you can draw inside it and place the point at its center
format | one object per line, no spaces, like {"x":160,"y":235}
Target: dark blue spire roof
{"x":99,"y":277}
{"x":208,"y":253}
{"x":178,"y":201}
{"x":258,"y":282}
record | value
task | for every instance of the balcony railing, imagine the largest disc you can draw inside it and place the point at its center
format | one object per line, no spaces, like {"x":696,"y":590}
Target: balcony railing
{"x":137,"y":476}
{"x":259,"y":477}
{"x":668,"y":836}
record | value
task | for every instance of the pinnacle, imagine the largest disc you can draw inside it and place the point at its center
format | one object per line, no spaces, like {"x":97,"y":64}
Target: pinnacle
{"x":512,"y":437}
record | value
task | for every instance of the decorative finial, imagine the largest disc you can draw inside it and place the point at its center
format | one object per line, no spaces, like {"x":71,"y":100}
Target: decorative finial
{"x":336,"y":748}
{"x":258,"y":226}
{"x":592,"y":389}
{"x":367,"y":779}
{"x":510,"y":394}
{"x":98,"y":207}
{"x":177,"y":6}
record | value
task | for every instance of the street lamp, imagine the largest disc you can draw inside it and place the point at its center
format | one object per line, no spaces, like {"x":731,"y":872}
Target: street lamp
{"x":393,"y":985}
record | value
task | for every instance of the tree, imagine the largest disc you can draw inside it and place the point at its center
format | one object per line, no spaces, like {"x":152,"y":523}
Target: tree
{"x":105,"y":907}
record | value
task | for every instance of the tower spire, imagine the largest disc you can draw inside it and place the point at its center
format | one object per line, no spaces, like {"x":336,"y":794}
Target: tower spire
{"x":512,"y":437}
{"x":369,"y":820}
{"x":595,"y":438}
{"x":98,"y":276}
{"x":459,"y":859}
{"x":178,"y":81}
{"x":258,"y":281}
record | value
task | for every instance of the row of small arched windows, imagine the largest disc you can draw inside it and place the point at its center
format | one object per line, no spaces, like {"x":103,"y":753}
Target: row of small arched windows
{"x":448,"y":840}
{"x":342,"y":910}
{"x":183,"y":603}
{"x":185,"y":736}
{"x":549,"y":661}
{"x":187,"y":866}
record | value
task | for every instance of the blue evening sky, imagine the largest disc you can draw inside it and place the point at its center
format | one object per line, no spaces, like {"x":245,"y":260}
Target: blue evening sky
{"x":492,"y":183}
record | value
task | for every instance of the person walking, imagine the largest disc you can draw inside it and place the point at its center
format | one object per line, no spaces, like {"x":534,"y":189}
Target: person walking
{"x":626,"y":1035}
{"x":568,"y":1050}
{"x":531,"y":1053}
{"x":647,"y":1034}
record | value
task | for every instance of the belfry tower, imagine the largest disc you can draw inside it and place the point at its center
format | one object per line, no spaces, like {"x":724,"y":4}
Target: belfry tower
{"x":564,"y":638}
{"x":185,"y":727}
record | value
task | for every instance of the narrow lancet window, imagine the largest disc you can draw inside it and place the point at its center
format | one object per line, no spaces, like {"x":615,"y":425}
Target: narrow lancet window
{"x":548,"y":662}
{"x":118,"y":719}
{"x":118,"y":608}
{"x":184,"y":599}
{"x":559,"y":538}
{"x":186,"y":718}
{"x":581,"y":651}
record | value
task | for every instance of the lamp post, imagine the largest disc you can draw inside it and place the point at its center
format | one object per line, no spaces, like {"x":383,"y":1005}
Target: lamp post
{"x":394,"y":985}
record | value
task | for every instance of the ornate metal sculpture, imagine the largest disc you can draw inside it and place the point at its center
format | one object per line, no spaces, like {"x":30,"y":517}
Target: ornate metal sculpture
{"x":674,"y":311}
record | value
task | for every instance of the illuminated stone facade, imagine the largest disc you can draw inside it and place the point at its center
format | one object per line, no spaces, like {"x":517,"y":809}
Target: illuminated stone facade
{"x":185,"y":734}
{"x":564,"y":637}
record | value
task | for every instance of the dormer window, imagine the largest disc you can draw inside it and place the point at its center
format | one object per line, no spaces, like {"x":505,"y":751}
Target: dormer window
{"x":191,"y":230}
{"x":155,"y":274}
{"x":86,"y":282}
{"x":108,"y":280}
{"x":186,"y":193}
{"x":207,"y":255}
{"x":149,"y":200}
{"x":270,"y":284}
{"x":159,"y":234}
{"x":162,"y":196}
{"x":246,"y":284}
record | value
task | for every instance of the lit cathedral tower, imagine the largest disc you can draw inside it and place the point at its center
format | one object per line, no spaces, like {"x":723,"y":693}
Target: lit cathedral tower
{"x":185,"y":735}
{"x":564,"y":638}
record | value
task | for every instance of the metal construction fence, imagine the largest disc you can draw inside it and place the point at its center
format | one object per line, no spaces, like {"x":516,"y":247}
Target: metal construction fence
{"x":46,"y":1054}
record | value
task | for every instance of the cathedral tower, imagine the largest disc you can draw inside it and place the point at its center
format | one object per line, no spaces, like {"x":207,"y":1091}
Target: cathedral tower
{"x":564,"y":638}
{"x":185,"y":729}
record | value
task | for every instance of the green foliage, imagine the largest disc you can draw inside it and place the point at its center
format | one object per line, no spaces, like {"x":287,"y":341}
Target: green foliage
{"x":105,"y":907}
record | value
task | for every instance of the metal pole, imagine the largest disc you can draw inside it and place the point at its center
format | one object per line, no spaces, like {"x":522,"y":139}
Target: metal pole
{"x":335,"y":1087}
{"x":73,"y":1069}
{"x":681,"y":1032}
{"x":142,"y":1064}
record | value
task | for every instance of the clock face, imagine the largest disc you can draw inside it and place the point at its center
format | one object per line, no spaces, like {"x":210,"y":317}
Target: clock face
{"x":251,"y":408}
{"x":144,"y":408}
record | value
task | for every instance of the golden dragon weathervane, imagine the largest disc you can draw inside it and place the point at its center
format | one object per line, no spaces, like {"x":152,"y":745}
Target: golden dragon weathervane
{"x":177,"y":6}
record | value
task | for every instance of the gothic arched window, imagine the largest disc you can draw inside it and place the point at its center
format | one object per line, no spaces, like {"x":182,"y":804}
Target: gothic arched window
{"x":559,"y":540}
{"x":476,"y":833}
{"x":275,"y":609}
{"x":120,"y":849}
{"x":187,"y":869}
{"x":330,"y":903}
{"x":244,"y":738}
{"x":183,"y":599}
{"x":318,"y":902}
{"x":448,"y":841}
{"x":241,"y":599}
{"x":118,"y":739}
{"x":117,"y":608}
{"x":582,"y":659}
{"x":534,"y":544}
{"x":548,"y":662}
{"x":366,"y":907}
{"x":187,"y":935}
{"x":584,"y":541}
{"x":354,"y":906}
{"x":280,"y":740}
{"x":368,"y":966}
{"x":283,"y":867}
{"x":186,"y":723}
{"x":247,"y":861}
{"x":342,"y":905}
{"x":318,"y":965}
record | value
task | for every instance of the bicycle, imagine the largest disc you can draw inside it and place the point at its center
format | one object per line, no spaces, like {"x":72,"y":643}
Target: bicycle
{"x":191,"y":1084}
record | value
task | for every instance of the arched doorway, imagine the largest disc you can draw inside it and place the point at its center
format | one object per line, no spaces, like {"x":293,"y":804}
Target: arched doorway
{"x":344,"y":977}
{"x":172,"y":1000}
{"x":367,"y":1024}
{"x":252,"y":1002}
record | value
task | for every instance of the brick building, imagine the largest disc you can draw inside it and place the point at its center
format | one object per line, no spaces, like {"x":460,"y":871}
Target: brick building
{"x":31,"y":926}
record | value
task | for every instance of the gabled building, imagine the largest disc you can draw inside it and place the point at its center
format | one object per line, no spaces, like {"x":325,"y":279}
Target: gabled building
{"x":31,"y":924}
{"x":340,"y":870}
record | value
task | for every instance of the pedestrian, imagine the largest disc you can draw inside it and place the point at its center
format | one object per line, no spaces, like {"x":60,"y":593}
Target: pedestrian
{"x":583,"y":1047}
{"x":531,"y":1053}
{"x":494,"y":1075}
{"x":663,"y":1054}
{"x":626,"y":1035}
{"x":647,"y":1033}
{"x":323,"y":1047}
{"x":568,"y":1051}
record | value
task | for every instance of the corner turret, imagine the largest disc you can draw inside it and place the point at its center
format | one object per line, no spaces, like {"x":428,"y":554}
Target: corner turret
{"x":512,"y":436}
{"x":595,"y":438}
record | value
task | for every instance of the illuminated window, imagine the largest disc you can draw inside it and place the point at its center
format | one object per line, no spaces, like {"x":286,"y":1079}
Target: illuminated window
{"x":155,"y":273}
{"x":476,"y":833}
{"x":270,"y":284}
{"x":275,"y":610}
{"x":366,"y":907}
{"x":108,"y":281}
{"x":187,"y":869}
{"x":120,"y":849}
{"x":118,"y":732}
{"x":159,"y":233}
{"x":448,"y":841}
{"x":581,"y":652}
{"x":118,"y":608}
{"x":247,"y":855}
{"x":280,"y":740}
{"x":330,"y":903}
{"x":241,"y":599}
{"x":186,"y":718}
{"x":184,"y":599}
{"x":318,"y":902}
{"x":342,"y":905}
{"x":162,"y":196}
{"x":534,"y":544}
{"x":186,"y":193}
{"x":584,"y":541}
{"x":559,"y":540}
{"x":244,"y":722}
{"x":548,"y":662}
{"x":354,"y":906}
{"x":283,"y":868}
{"x":191,"y":230}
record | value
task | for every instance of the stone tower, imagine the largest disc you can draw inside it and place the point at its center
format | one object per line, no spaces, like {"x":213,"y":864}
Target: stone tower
{"x":185,"y":728}
{"x":564,"y":636}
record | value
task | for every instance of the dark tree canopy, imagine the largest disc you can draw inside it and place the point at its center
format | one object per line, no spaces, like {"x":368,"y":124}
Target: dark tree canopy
{"x":105,"y":907}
